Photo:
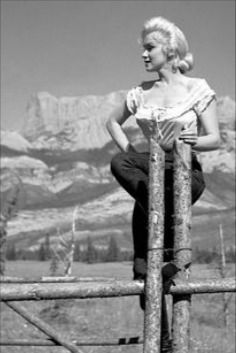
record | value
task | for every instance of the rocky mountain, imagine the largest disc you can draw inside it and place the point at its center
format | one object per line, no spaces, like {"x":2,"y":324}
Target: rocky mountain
{"x":62,"y":156}
{"x":69,"y":122}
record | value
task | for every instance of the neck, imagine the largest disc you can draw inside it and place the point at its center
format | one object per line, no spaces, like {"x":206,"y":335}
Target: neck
{"x":167,"y":76}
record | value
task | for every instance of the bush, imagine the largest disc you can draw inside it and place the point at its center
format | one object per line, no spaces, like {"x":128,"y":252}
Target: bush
{"x":11,"y":254}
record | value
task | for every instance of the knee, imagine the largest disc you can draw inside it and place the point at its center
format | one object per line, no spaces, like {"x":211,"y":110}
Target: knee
{"x":117,"y":163}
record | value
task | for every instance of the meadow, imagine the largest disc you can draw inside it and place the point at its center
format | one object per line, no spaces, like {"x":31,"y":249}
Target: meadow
{"x":106,"y":318}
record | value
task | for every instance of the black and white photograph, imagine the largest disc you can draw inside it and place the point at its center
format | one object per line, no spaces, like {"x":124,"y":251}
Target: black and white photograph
{"x":117,"y":176}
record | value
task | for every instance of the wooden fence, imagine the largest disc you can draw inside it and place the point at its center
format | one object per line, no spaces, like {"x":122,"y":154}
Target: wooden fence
{"x":19,"y":289}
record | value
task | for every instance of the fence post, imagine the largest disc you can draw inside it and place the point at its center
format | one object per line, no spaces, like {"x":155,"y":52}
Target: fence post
{"x":182,"y":244}
{"x":153,"y":288}
{"x":223,"y":275}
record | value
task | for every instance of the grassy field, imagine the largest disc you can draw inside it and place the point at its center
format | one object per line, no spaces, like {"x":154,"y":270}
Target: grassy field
{"x":115,"y":318}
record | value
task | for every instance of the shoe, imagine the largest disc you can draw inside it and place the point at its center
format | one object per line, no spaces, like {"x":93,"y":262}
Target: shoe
{"x":139,"y":268}
{"x":168,"y":272}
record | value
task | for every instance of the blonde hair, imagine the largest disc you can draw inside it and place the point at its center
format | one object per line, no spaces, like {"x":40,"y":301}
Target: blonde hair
{"x":173,"y":39}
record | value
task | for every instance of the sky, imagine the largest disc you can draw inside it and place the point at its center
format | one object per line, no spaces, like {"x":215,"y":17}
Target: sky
{"x":76,"y":48}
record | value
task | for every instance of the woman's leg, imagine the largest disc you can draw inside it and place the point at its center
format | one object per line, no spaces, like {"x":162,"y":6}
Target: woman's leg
{"x":198,"y":183}
{"x":131,"y":171}
{"x":140,"y":238}
{"x":197,"y":188}
{"x":140,"y":219}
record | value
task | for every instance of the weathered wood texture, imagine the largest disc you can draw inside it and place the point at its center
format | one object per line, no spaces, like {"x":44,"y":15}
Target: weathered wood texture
{"x":79,"y":290}
{"x":182,"y":244}
{"x":54,"y":279}
{"x":153,"y":287}
{"x":203,"y":286}
{"x":3,"y":243}
{"x":44,"y":327}
{"x":223,"y":275}
{"x":8,"y":208}
{"x":51,"y":291}
{"x":82,"y":342}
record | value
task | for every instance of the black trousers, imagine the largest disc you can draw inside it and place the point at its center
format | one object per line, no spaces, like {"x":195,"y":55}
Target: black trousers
{"x":131,"y":169}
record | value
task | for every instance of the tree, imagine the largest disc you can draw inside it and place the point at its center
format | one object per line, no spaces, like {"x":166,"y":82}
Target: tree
{"x":77,"y":252}
{"x":11,"y":252}
{"x":113,"y":251}
{"x":42,"y":253}
{"x":8,"y":210}
{"x":55,"y":262}
{"x":47,"y":247}
{"x":91,"y":252}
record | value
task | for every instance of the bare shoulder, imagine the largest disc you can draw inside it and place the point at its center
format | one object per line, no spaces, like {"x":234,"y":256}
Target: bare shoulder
{"x":192,"y":82}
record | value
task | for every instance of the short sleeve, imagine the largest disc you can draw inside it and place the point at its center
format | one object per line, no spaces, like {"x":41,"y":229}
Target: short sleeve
{"x":133,"y":99}
{"x":203,"y":97}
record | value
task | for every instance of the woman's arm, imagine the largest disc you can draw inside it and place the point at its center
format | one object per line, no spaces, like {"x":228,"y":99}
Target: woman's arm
{"x":211,"y":140}
{"x":118,"y":116}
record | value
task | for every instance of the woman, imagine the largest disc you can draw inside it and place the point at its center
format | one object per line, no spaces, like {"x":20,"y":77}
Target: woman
{"x":183,"y":107}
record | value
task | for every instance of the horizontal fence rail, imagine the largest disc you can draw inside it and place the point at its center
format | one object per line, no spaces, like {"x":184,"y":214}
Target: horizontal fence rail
{"x":50,"y":291}
{"x":88,"y":342}
{"x":54,"y":279}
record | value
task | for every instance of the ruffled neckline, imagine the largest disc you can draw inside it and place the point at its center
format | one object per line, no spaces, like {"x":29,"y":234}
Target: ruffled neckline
{"x":166,"y":107}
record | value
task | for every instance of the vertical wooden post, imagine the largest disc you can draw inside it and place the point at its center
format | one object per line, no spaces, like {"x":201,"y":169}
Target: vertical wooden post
{"x":153,"y":288}
{"x":182,"y":244}
{"x":223,"y":275}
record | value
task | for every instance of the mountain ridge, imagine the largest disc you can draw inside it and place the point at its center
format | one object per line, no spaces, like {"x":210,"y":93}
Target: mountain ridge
{"x":63,"y":161}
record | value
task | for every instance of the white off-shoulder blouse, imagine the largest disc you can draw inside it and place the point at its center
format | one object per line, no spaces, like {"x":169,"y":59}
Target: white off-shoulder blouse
{"x":186,"y":112}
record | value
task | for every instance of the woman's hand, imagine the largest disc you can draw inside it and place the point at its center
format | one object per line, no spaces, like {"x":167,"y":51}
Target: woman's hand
{"x":210,"y":140}
{"x":189,"y":136}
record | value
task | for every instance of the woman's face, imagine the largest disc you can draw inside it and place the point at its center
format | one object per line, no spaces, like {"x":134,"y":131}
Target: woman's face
{"x":154,"y":55}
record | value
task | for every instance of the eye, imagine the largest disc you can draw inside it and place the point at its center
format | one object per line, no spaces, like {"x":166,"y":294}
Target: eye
{"x":148,"y":47}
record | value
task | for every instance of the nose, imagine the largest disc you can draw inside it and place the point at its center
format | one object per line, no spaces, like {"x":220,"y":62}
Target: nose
{"x":144,"y":54}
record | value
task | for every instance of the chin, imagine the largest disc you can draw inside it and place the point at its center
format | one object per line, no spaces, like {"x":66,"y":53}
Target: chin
{"x":149,"y":69}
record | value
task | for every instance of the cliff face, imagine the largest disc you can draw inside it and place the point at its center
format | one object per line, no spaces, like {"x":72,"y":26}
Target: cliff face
{"x":226,"y":113}
{"x":69,"y":122}
{"x":62,"y":158}
{"x":75,"y":123}
{"x":61,"y":133}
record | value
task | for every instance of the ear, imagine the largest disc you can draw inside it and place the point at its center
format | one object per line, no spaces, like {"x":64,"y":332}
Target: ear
{"x":171,"y":54}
